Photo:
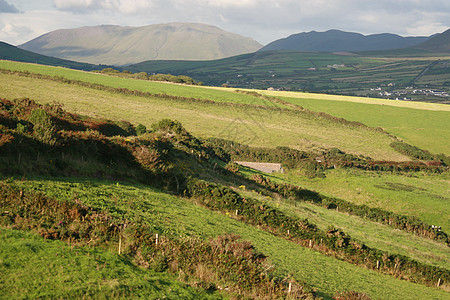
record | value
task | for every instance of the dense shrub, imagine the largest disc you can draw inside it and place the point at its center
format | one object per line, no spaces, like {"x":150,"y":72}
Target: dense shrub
{"x":417,"y":153}
{"x":232,"y":167}
{"x":141,"y":129}
{"x":43,"y":128}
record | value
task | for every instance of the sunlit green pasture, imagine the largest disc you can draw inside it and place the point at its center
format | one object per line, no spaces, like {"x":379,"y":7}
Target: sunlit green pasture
{"x":373,"y":234}
{"x":248,"y":125}
{"x":169,"y":215}
{"x":425,"y":125}
{"x":32,"y":267}
{"x":423,"y":195}
{"x":135,"y":84}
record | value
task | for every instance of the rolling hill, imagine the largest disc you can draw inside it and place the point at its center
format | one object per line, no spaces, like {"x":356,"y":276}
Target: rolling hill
{"x":10,"y":52}
{"x":341,"y":41}
{"x":117,"y":45}
{"x":94,"y":204}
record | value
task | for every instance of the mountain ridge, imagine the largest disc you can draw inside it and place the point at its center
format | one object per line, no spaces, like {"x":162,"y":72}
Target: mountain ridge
{"x":437,"y":43}
{"x":122,"y":45}
{"x":341,"y":41}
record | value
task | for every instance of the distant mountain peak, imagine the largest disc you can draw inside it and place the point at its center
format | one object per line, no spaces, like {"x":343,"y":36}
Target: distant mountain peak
{"x":121,"y":45}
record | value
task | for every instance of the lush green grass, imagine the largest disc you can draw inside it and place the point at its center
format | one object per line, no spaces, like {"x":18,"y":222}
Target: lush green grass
{"x":169,"y":215}
{"x":427,"y":126}
{"x":248,"y":125}
{"x":32,"y":267}
{"x":422,"y":124}
{"x":373,"y":234}
{"x":416,"y":194}
{"x":135,"y":84}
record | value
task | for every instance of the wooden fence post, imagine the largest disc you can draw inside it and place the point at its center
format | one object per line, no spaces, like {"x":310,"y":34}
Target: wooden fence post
{"x":120,"y":243}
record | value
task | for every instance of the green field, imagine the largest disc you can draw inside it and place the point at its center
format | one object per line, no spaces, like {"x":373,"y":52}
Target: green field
{"x":166,"y":204}
{"x":158,"y":210}
{"x":32,"y":267}
{"x":133,"y":84}
{"x":425,"y":125}
{"x":349,"y":74}
{"x":254,"y":126}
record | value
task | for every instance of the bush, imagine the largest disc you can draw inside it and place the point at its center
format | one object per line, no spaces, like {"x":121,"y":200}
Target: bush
{"x":43,"y":128}
{"x":232,"y":167}
{"x":141,"y":129}
{"x":412,"y":151}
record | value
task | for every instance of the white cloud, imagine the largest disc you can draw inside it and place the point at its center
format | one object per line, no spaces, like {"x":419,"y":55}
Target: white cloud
{"x":75,"y":5}
{"x":123,"y":6}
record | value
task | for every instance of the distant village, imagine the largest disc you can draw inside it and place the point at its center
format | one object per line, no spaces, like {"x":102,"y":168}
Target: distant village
{"x":403,"y":94}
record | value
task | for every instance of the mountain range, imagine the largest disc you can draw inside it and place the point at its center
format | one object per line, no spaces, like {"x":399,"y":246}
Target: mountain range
{"x":120,"y":45}
{"x":341,"y":41}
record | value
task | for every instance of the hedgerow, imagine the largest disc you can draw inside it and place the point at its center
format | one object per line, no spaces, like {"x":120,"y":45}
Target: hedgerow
{"x":225,"y":261}
{"x":164,"y":159}
{"x":407,"y":223}
{"x":417,"y":153}
{"x":332,"y":242}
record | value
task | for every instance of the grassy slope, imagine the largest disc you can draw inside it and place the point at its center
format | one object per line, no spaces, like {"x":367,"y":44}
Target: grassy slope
{"x":373,"y":234}
{"x":424,"y":125}
{"x":32,"y":267}
{"x":158,"y":210}
{"x":331,"y":275}
{"x":425,"y":196}
{"x":256,"y":127}
{"x":132,"y":84}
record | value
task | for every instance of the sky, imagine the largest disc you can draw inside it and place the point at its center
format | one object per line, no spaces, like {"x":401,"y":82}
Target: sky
{"x":262,"y":20}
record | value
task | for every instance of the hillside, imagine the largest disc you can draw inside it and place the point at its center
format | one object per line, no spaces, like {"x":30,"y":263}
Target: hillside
{"x":117,"y":45}
{"x":341,"y":41}
{"x":105,"y":193}
{"x":439,"y":43}
{"x":10,"y":52}
{"x":381,"y":74}
{"x":421,"y":124}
